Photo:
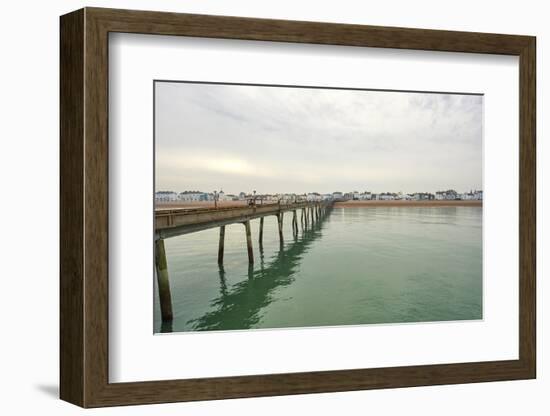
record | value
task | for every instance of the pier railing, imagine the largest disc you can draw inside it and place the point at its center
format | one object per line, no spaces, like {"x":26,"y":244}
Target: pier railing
{"x":174,"y":222}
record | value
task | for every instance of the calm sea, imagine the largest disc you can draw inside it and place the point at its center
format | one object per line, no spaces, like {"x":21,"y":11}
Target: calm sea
{"x":358,"y":266}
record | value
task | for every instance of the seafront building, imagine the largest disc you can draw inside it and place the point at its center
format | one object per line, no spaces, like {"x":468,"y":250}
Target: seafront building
{"x":166,"y":196}
{"x":190,"y":196}
{"x":199,"y":196}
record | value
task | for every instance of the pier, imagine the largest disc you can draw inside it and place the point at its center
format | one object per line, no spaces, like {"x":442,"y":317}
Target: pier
{"x":175,"y":222}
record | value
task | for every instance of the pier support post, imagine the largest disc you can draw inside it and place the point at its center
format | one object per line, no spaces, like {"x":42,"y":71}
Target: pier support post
{"x":261,"y":234}
{"x":280,"y":223}
{"x":294,"y":222}
{"x":249,"y":242}
{"x":163,"y":283}
{"x":221,"y":244}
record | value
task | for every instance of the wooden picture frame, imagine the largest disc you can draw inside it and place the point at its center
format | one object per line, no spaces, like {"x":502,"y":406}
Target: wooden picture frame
{"x":84,"y":207}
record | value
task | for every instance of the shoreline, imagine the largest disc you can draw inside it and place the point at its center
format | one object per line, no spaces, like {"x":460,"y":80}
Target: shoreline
{"x":400,"y":203}
{"x":342,"y":204}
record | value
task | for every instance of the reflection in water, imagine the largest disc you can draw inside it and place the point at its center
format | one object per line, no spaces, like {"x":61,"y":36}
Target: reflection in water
{"x":166,"y":326}
{"x":240,"y":308}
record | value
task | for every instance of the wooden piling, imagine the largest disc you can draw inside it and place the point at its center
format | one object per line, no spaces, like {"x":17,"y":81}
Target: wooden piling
{"x":280,"y":223}
{"x":163,"y":282}
{"x":294,"y":222}
{"x":249,"y":242}
{"x":261,"y":234}
{"x":221,"y":245}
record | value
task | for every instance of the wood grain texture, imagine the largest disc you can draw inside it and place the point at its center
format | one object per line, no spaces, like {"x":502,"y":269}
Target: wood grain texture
{"x":71,"y":213}
{"x":527,"y":207}
{"x":84,"y":207}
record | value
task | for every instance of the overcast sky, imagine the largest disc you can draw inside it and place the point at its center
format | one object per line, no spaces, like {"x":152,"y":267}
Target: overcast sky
{"x":276,"y":140}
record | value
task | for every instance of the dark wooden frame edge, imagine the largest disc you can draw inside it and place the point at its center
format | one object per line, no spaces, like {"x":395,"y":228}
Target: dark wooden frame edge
{"x":84,"y":207}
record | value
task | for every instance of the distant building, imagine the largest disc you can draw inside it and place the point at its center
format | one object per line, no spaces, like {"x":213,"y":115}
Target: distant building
{"x":337,"y":195}
{"x":313,"y":196}
{"x":327,"y":197}
{"x":472,"y":196}
{"x":166,"y":196}
{"x":193,"y":196}
{"x":423,"y":196}
{"x":467,"y":196}
{"x":448,"y":195}
{"x":242,"y":195}
{"x":387,"y":196}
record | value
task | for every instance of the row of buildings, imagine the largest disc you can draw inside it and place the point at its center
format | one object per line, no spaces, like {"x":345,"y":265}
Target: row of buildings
{"x":197,"y":196}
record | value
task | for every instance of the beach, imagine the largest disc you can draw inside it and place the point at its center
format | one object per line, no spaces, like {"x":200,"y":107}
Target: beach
{"x":342,"y":204}
{"x":403,"y":203}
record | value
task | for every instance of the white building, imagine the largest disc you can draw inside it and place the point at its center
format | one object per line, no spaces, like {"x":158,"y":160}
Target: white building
{"x":365,"y":196}
{"x":166,"y":196}
{"x":448,"y":195}
{"x":423,"y":196}
{"x":192,"y":196}
{"x":337,"y":195}
{"x":386,"y":196}
{"x":313,"y":196}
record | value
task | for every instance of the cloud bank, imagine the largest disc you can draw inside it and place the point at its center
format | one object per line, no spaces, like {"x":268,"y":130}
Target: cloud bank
{"x":276,"y":139}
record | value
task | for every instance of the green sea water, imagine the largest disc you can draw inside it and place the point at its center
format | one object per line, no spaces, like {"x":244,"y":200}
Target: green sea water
{"x":357,"y":266}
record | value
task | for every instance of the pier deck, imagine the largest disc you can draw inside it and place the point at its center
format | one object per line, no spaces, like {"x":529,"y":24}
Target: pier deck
{"x":174,"y":222}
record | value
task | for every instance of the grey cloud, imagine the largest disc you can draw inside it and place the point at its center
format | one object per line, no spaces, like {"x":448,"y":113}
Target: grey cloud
{"x":278,"y":139}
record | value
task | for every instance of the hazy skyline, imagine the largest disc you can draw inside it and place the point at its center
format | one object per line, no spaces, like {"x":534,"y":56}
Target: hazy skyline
{"x":295,"y":140}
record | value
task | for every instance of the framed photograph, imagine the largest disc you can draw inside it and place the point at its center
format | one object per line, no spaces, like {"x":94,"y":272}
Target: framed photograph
{"x":254,"y":207}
